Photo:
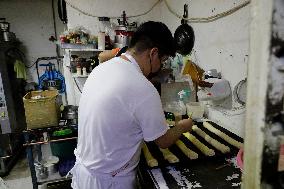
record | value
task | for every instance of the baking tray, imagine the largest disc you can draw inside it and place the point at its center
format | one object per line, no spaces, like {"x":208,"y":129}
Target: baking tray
{"x":219,"y":171}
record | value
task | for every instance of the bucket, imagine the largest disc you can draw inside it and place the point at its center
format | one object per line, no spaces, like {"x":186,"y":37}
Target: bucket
{"x":65,"y":148}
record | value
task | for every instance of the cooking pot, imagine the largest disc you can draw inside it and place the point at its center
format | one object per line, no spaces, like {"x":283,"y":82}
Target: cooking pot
{"x":4,"y":26}
{"x":51,"y":165}
{"x":41,"y":171}
{"x":123,"y":40}
{"x":123,"y":35}
{"x":70,"y":112}
{"x":9,"y":36}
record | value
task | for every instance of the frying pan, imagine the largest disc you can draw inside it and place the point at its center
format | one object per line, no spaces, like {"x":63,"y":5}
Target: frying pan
{"x":184,"y":38}
{"x":184,"y":35}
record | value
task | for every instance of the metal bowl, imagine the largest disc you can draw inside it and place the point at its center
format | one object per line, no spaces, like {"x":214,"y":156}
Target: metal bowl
{"x":70,"y":112}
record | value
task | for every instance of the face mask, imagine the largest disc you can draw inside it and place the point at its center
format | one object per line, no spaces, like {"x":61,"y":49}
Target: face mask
{"x":154,"y":74}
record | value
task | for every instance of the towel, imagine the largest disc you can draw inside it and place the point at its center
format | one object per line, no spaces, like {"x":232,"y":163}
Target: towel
{"x":20,"y":69}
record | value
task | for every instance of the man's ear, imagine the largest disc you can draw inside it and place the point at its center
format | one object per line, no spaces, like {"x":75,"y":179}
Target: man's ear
{"x":154,"y":51}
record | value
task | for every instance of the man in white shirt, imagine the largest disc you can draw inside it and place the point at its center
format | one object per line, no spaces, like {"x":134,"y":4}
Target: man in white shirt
{"x":119,"y":109}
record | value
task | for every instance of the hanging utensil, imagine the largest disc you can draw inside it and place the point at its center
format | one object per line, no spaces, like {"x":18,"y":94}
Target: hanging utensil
{"x":184,"y":35}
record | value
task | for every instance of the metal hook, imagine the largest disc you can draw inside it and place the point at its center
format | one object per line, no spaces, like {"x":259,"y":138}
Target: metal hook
{"x":185,"y":14}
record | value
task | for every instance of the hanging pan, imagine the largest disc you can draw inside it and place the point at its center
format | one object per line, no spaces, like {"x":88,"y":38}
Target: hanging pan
{"x":184,"y":35}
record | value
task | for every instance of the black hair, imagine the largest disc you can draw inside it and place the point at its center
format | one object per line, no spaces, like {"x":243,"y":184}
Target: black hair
{"x":184,"y":38}
{"x":153,"y":34}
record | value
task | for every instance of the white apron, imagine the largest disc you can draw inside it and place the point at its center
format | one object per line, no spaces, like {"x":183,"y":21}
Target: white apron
{"x":84,"y":178}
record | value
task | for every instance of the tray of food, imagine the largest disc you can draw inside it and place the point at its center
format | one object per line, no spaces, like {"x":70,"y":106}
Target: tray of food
{"x":205,"y":157}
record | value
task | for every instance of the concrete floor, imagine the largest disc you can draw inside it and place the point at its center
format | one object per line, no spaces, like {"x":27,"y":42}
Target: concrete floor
{"x":20,"y":177}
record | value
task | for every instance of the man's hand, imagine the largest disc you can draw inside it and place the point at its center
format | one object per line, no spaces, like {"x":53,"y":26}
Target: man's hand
{"x":185,"y":125}
{"x":173,"y":134}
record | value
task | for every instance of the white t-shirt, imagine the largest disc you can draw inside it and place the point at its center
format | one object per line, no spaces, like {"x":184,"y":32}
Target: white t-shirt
{"x":119,"y":108}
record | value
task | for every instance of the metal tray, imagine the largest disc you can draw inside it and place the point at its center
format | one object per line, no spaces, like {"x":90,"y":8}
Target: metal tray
{"x":219,"y":171}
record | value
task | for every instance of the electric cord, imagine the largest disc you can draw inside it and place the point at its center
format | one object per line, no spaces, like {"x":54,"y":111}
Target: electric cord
{"x":194,"y":20}
{"x":210,"y":18}
{"x":30,"y":66}
{"x":44,"y":58}
{"x":113,"y":17}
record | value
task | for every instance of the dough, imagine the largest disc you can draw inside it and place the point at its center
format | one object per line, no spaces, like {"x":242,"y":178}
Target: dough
{"x":222,"y":135}
{"x":204,"y":149}
{"x":169,"y":156}
{"x":189,"y":153}
{"x":219,"y":146}
{"x":151,"y":161}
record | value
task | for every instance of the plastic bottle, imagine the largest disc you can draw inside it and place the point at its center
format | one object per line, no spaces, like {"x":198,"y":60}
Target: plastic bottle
{"x":101,"y":40}
{"x":181,"y":108}
{"x":79,"y":70}
{"x":84,"y":71}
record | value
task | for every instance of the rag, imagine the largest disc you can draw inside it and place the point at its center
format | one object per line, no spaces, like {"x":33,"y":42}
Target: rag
{"x":20,"y":69}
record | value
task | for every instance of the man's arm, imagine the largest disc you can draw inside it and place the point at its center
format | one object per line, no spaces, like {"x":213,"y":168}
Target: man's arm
{"x":173,"y":134}
{"x":107,"y":55}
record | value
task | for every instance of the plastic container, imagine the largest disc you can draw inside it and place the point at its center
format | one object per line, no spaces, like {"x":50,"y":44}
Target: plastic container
{"x":101,"y":40}
{"x":195,"y":110}
{"x":63,"y":149}
{"x":78,"y":70}
{"x":84,"y":70}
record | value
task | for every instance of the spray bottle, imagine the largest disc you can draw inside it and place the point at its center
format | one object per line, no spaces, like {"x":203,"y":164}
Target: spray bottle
{"x":181,"y":108}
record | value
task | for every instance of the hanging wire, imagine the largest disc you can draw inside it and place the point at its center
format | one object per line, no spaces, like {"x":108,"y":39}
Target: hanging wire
{"x":113,"y":17}
{"x":195,"y":20}
{"x":210,"y":18}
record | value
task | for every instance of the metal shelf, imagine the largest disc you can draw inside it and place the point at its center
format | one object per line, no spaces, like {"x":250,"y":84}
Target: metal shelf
{"x":82,"y":50}
{"x":53,"y":178}
{"x":49,"y":141}
{"x":31,"y":135}
{"x":5,"y":157}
